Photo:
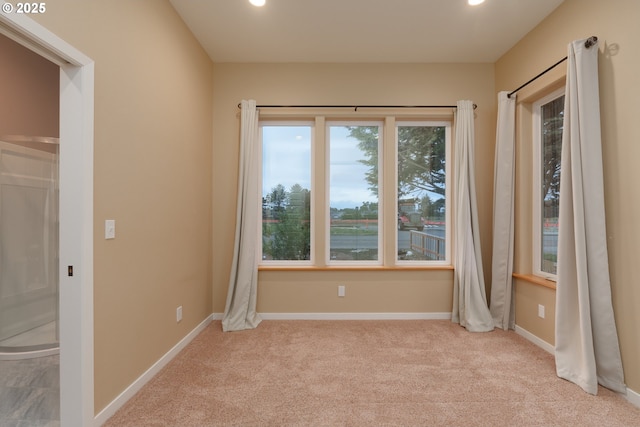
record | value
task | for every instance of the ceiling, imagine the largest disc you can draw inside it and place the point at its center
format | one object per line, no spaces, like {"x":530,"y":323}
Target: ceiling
{"x":417,"y":31}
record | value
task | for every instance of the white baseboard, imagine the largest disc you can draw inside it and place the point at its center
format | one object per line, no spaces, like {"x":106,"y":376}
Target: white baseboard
{"x":534,"y":339}
{"x":130,"y":391}
{"x":633,"y":397}
{"x":355,"y":316}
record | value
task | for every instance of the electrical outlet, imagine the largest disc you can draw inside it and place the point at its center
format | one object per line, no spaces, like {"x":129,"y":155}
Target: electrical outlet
{"x":341,"y":289}
{"x":178,"y":314}
{"x":541,"y":311}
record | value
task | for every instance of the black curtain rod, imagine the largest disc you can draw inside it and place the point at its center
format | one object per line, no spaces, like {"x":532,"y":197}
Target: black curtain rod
{"x":355,"y":107}
{"x":588,"y":43}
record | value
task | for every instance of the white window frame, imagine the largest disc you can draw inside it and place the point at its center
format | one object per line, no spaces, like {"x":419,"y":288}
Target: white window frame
{"x":312,"y":254}
{"x":320,"y":122}
{"x":537,"y":179}
{"x":448,"y":191}
{"x":354,"y":122}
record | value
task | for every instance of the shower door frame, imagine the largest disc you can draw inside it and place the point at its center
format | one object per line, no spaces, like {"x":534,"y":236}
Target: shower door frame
{"x":76,"y":213}
{"x":35,"y":303}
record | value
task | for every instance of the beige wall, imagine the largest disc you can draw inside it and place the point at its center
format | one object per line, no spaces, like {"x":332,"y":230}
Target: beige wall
{"x":153,"y":88}
{"x":154,"y":173}
{"x":389,"y":84}
{"x":29,"y":88}
{"x":366,"y":292}
{"x":528,"y":298}
{"x":615,"y":24}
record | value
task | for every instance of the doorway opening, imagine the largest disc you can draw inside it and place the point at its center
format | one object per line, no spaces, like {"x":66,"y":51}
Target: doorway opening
{"x":75,"y":265}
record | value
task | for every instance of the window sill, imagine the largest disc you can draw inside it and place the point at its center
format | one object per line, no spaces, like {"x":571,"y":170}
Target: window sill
{"x":354,"y":268}
{"x":536,"y":280}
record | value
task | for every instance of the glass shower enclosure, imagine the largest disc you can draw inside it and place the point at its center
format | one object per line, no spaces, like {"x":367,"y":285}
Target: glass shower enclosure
{"x":28,"y":246}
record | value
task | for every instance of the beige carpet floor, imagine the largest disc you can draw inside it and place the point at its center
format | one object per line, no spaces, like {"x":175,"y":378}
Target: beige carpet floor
{"x":366,"y":373}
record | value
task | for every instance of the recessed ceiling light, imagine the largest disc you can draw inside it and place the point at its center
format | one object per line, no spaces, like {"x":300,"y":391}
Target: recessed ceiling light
{"x":260,"y":2}
{"x":475,"y":2}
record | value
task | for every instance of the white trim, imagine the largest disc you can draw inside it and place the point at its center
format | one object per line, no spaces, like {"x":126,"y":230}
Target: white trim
{"x":380,"y":124}
{"x":76,"y":213}
{"x":143,"y":379}
{"x":633,"y":397}
{"x":27,"y":32}
{"x":447,"y":186}
{"x":355,"y":316}
{"x":76,"y":244}
{"x":534,"y":339}
{"x":537,"y":204}
{"x":307,"y":124}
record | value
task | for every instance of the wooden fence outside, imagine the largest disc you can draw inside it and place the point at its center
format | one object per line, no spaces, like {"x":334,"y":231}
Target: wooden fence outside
{"x":431,"y":247}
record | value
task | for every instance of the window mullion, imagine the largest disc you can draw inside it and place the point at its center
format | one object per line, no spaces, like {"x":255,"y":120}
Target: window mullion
{"x":389,"y":192}
{"x":319,"y":200}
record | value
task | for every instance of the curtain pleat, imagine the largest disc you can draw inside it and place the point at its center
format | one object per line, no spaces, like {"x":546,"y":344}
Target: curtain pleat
{"x":240,"y":310}
{"x":502,"y":296}
{"x":469,"y":298}
{"x":587,"y":348}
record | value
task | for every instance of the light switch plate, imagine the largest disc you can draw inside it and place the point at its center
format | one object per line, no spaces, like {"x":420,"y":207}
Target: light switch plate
{"x":110,"y":229}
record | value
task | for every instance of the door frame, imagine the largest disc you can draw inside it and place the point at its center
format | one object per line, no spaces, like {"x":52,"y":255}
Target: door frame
{"x":76,"y":213}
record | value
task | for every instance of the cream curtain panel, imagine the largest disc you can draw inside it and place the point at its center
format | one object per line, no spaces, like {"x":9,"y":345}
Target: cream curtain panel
{"x":502,"y":296}
{"x":469,"y":298}
{"x":240,"y":311}
{"x":587,"y":349}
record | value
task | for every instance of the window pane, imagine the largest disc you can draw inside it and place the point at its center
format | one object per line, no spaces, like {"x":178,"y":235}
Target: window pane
{"x":421,"y":193}
{"x":552,"y":115}
{"x":353,"y":192}
{"x":286,"y":193}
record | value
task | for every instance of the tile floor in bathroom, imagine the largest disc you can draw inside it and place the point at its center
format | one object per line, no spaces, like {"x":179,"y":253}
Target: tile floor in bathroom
{"x":30,"y":392}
